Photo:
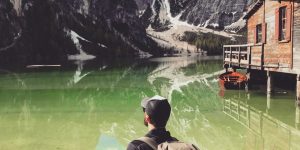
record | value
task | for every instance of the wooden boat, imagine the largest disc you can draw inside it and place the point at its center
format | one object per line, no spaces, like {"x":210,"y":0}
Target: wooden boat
{"x":232,"y":80}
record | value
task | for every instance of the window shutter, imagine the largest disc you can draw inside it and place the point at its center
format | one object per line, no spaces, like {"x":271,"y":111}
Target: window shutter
{"x":264,"y":33}
{"x":277,"y":24}
{"x":288,"y":22}
{"x":255,"y":35}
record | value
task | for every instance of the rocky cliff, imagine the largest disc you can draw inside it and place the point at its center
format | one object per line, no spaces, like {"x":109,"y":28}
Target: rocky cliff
{"x":215,"y":14}
{"x":50,"y":31}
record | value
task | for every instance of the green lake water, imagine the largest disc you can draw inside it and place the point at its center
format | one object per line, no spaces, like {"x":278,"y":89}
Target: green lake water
{"x":96,"y":106}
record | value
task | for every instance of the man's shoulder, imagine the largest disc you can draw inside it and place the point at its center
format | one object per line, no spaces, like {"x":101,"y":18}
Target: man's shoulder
{"x":138,"y":145}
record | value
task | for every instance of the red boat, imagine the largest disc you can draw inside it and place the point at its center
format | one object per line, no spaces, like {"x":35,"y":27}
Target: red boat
{"x":232,"y":80}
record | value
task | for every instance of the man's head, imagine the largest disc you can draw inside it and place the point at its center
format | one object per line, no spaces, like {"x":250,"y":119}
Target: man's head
{"x":157,"y":111}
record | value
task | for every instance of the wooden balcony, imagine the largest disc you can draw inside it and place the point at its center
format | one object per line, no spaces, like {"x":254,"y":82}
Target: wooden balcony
{"x":244,"y":56}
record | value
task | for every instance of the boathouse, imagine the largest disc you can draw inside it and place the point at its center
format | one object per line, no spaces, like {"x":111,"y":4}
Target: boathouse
{"x":273,"y":41}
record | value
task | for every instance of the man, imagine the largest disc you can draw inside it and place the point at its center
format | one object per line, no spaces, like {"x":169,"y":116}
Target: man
{"x":156,"y":115}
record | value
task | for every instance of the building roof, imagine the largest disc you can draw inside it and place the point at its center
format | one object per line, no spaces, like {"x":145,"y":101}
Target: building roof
{"x":253,"y":8}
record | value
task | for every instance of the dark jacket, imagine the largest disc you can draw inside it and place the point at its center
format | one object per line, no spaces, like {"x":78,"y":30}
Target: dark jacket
{"x":159,"y":135}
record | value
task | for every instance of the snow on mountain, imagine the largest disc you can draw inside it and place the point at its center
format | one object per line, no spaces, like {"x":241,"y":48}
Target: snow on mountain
{"x":236,"y":26}
{"x":215,"y":14}
{"x":82,"y":54}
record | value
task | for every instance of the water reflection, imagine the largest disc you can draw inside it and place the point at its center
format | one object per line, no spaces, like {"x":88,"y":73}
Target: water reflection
{"x":297,"y":118}
{"x":78,"y":73}
{"x":171,"y":69}
{"x":108,"y":143}
{"x":188,"y":121}
{"x":92,"y":108}
{"x":268,"y":102}
{"x":265,"y":131}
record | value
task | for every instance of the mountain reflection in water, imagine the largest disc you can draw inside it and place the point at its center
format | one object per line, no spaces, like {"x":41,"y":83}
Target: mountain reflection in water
{"x":97,"y":106}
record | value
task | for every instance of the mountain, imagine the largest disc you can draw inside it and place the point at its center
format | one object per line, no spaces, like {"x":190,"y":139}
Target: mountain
{"x":51,"y":31}
{"x":216,"y":14}
{"x":10,"y":27}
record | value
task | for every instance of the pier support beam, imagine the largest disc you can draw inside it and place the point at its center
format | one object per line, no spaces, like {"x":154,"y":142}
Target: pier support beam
{"x":248,"y":75}
{"x":269,"y":90}
{"x":226,"y":66}
{"x":297,"y":116}
{"x":234,"y":69}
{"x":298,"y":90}
{"x":269,"y":83}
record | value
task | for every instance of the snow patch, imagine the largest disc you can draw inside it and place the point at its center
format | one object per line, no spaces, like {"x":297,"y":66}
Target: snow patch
{"x":141,"y":13}
{"x":75,"y":37}
{"x":236,"y":26}
{"x":143,"y":54}
{"x":215,"y":25}
{"x":82,"y":55}
{"x":175,"y":20}
{"x":17,"y":6}
{"x":153,"y":10}
{"x":206,"y":23}
{"x":101,"y":45}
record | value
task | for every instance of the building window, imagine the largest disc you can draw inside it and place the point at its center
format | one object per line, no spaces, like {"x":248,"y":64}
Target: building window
{"x":282,"y":23}
{"x":259,"y":33}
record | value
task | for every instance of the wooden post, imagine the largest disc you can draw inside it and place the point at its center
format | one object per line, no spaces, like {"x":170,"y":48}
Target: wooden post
{"x":230,"y":55}
{"x":298,"y":90}
{"x":248,"y":55}
{"x":239,"y":56}
{"x":269,"y":83}
{"x":226,"y":69}
{"x":248,"y":75}
{"x":224,"y":54}
{"x":269,"y":90}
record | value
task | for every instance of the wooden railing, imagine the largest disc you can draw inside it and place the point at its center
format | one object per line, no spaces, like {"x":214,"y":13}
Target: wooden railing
{"x":248,"y":55}
{"x":237,"y":54}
